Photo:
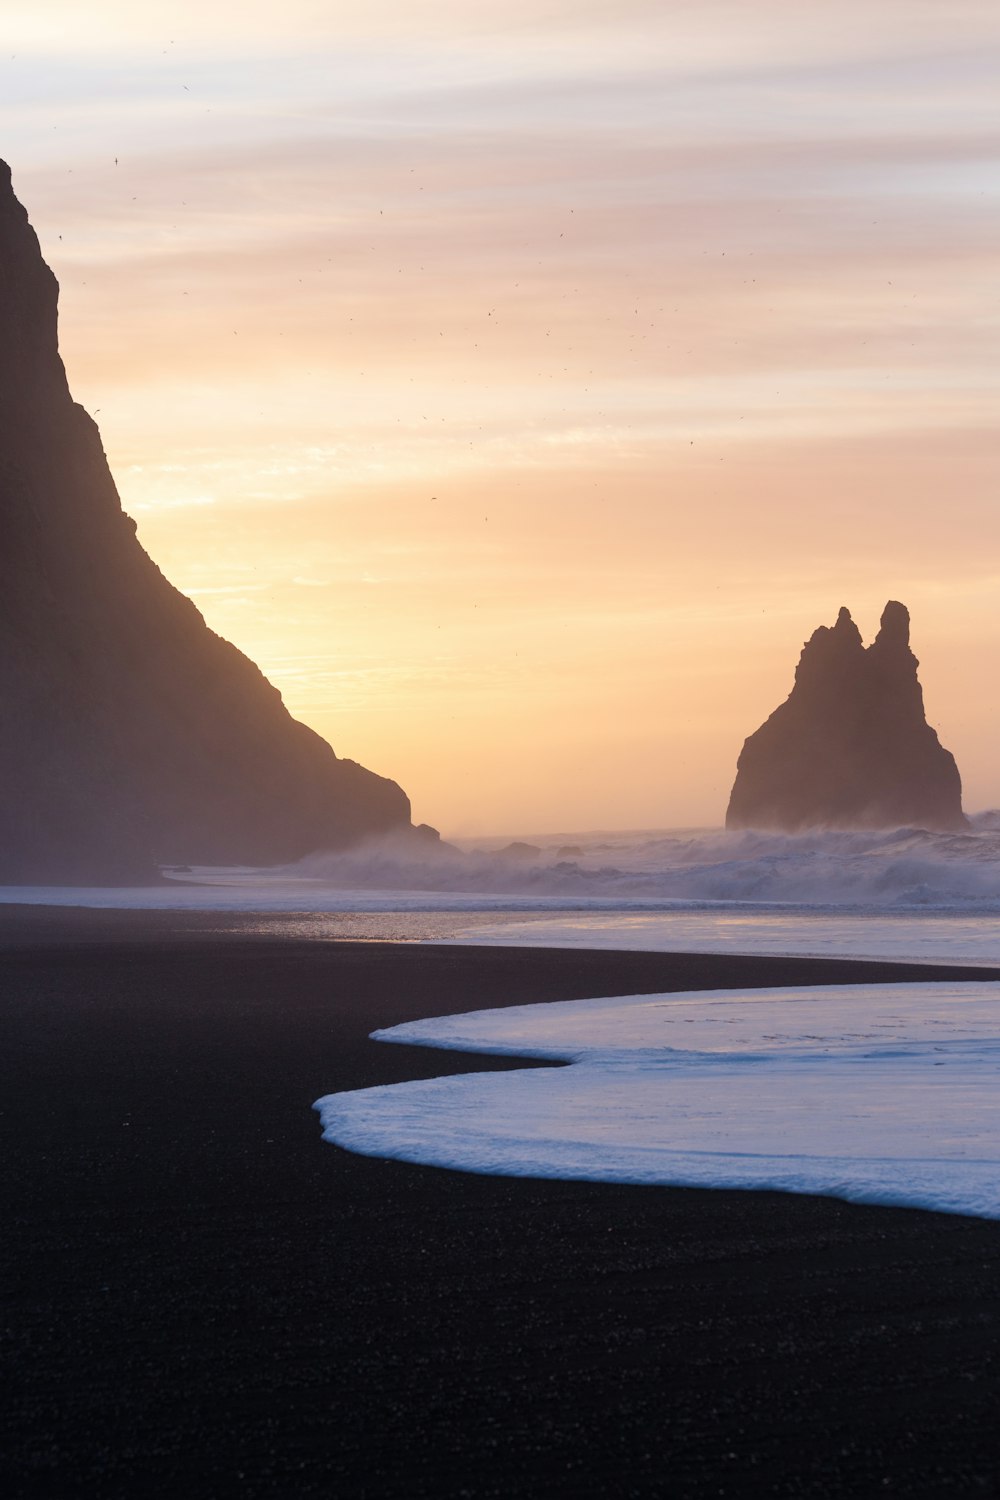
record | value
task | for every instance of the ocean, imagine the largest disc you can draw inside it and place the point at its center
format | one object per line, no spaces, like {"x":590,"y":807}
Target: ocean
{"x":901,"y":894}
{"x":873,"y":1093}
{"x":884,"y":1094}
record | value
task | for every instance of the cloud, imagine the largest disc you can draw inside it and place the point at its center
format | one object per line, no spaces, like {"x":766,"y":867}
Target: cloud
{"x":675,"y":310}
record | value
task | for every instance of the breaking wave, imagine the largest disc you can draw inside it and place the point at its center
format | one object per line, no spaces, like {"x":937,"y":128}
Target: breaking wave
{"x":895,"y":869}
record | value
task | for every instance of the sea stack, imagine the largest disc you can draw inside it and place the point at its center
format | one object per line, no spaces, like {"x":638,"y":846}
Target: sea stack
{"x":132,"y":735}
{"x":850,"y":747}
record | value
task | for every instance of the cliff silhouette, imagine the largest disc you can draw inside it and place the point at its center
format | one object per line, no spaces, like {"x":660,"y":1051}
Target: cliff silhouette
{"x":851,"y":746}
{"x":131,"y":734}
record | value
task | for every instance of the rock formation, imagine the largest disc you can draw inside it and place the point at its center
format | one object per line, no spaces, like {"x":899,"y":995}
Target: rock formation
{"x":850,"y":747}
{"x":131,"y":735}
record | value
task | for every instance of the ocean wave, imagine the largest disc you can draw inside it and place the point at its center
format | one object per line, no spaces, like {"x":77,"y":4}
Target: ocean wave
{"x":903,"y":868}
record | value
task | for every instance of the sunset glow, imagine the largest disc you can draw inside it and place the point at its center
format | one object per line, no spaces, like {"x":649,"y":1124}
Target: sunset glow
{"x":519,"y":385}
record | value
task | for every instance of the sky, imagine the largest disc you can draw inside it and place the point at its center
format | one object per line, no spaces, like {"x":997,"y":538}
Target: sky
{"x":520,"y":384}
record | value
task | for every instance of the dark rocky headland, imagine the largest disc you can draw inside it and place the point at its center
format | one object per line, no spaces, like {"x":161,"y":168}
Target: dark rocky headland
{"x":131,"y":734}
{"x":850,"y":747}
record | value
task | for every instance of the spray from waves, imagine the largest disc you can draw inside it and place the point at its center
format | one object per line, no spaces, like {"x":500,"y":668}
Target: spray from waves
{"x":894,"y":869}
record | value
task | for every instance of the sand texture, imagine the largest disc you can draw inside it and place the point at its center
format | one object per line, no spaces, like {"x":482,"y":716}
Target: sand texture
{"x":204,"y":1298}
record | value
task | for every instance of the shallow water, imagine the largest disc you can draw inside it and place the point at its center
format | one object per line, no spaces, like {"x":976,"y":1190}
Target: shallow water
{"x":932,"y":937}
{"x":878,"y":1094}
{"x":897,"y":894}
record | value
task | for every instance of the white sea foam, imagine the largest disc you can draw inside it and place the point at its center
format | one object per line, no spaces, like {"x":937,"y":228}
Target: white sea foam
{"x":878,"y":1094}
{"x":901,"y":893}
{"x":906,"y":868}
{"x":909,"y":869}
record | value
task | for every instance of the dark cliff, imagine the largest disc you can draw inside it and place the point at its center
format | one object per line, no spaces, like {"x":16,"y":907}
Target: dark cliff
{"x":130,"y":734}
{"x":850,"y":747}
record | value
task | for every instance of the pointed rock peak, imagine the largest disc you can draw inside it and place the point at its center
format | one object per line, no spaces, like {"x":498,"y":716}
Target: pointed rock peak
{"x":894,"y":631}
{"x":845,"y":632}
{"x":850,"y":747}
{"x":10,"y":207}
{"x":30,"y":367}
{"x":829,"y":642}
{"x":132,"y":735}
{"x":7,"y":197}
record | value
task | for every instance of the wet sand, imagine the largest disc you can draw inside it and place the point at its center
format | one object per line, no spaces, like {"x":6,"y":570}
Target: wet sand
{"x":204,"y":1299}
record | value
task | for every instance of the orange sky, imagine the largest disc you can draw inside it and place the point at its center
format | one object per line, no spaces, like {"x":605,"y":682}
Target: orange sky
{"x":520,"y":388}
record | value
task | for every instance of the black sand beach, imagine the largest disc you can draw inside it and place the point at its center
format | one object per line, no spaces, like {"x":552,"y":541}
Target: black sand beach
{"x":204,"y":1299}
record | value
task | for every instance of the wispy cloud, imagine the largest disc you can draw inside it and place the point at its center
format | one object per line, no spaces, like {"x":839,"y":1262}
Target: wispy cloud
{"x":533,"y":353}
